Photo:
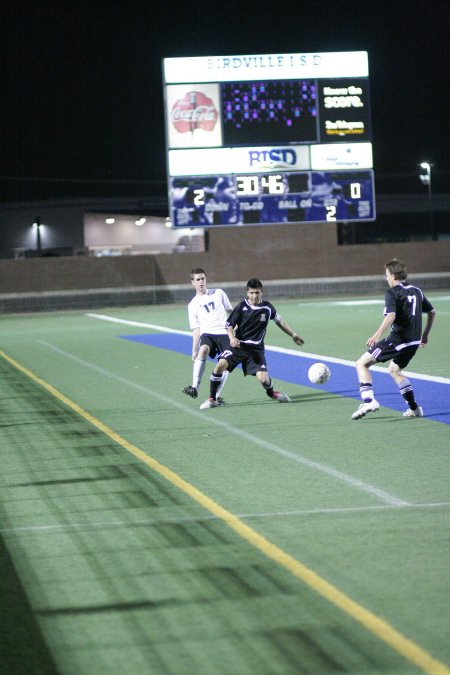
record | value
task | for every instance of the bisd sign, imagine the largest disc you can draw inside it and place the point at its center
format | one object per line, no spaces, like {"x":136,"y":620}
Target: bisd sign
{"x":273,"y":157}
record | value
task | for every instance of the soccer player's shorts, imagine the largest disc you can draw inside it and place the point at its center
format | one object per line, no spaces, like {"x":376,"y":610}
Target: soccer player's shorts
{"x":216,"y":343}
{"x":385,"y":350}
{"x":253,"y":359}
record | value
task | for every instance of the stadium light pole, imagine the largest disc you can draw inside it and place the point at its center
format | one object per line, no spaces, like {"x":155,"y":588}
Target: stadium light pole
{"x":426,"y":180}
{"x":37,"y":226}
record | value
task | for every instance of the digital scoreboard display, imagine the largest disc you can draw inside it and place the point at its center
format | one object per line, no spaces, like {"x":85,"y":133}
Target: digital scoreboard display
{"x":265,"y":139}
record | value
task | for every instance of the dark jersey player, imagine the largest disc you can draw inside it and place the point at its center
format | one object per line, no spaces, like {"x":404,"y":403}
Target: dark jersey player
{"x":403,"y":315}
{"x":246,"y":327}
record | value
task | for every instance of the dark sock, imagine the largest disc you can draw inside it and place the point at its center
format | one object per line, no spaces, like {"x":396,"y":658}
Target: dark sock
{"x":407,"y":392}
{"x":269,"y":388}
{"x":214,"y":383}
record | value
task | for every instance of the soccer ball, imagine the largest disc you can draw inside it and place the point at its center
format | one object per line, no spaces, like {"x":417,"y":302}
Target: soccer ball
{"x":319,"y":373}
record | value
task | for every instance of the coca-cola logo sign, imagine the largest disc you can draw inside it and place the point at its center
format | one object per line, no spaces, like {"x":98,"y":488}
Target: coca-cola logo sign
{"x":194,"y":111}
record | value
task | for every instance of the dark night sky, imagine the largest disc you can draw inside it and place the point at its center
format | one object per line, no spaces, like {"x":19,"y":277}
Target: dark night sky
{"x":82,"y":85}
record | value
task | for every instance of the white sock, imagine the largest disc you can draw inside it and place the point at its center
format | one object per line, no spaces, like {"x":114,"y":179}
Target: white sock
{"x":366,"y":392}
{"x":224,"y":379}
{"x":197,"y":372}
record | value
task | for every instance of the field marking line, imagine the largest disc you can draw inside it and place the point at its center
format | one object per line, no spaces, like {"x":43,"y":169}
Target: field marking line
{"x":374,"y":624}
{"x":361,"y":303}
{"x":271,"y":348}
{"x":356,"y":483}
{"x":33,"y":529}
{"x":138,"y":324}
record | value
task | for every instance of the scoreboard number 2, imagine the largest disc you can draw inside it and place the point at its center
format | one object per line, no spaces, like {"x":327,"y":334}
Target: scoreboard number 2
{"x":199,"y":197}
{"x":331,"y":213}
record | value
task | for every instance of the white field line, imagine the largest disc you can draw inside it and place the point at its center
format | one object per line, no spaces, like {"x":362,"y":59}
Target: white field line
{"x":353,"y":482}
{"x":113,"y":319}
{"x":280,"y":350}
{"x":345,"y":303}
{"x":360,"y":303}
{"x":243,"y":516}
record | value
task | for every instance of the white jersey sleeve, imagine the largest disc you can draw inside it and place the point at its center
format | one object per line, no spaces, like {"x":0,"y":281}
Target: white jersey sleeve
{"x":208,"y":312}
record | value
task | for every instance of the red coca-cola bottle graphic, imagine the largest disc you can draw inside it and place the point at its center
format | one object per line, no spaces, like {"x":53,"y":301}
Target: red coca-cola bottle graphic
{"x":194,"y":111}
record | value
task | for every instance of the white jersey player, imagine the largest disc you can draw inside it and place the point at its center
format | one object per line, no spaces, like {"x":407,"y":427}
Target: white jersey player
{"x":208,"y":312}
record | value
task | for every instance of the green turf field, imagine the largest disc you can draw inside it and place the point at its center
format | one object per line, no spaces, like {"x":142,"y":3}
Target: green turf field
{"x":142,"y":535}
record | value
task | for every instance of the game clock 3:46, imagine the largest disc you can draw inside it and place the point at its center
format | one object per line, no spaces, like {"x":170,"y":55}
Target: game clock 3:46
{"x":281,"y":197}
{"x":248,"y":186}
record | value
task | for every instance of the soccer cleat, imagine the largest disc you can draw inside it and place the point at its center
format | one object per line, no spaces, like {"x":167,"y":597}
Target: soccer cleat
{"x":280,"y":397}
{"x":418,"y":412}
{"x":209,"y":403}
{"x":220,"y":400}
{"x":190,"y":391}
{"x":365,"y":408}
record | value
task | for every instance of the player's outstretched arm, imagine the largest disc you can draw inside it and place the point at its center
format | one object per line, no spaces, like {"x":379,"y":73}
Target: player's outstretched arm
{"x":288,"y":330}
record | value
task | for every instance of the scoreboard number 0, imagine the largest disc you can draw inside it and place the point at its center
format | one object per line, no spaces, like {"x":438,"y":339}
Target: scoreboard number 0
{"x":355,"y":190}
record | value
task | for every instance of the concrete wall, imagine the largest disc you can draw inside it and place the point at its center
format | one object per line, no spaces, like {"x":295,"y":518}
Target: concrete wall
{"x":234,"y":255}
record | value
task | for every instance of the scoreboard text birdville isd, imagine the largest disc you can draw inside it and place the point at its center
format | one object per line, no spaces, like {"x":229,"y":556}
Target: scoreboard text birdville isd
{"x":273,"y":138}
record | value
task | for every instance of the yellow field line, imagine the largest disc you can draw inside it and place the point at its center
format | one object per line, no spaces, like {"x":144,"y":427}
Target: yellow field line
{"x":380,"y":628}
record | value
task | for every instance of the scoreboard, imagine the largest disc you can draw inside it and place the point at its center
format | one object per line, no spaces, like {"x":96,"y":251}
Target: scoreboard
{"x":265,"y":139}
